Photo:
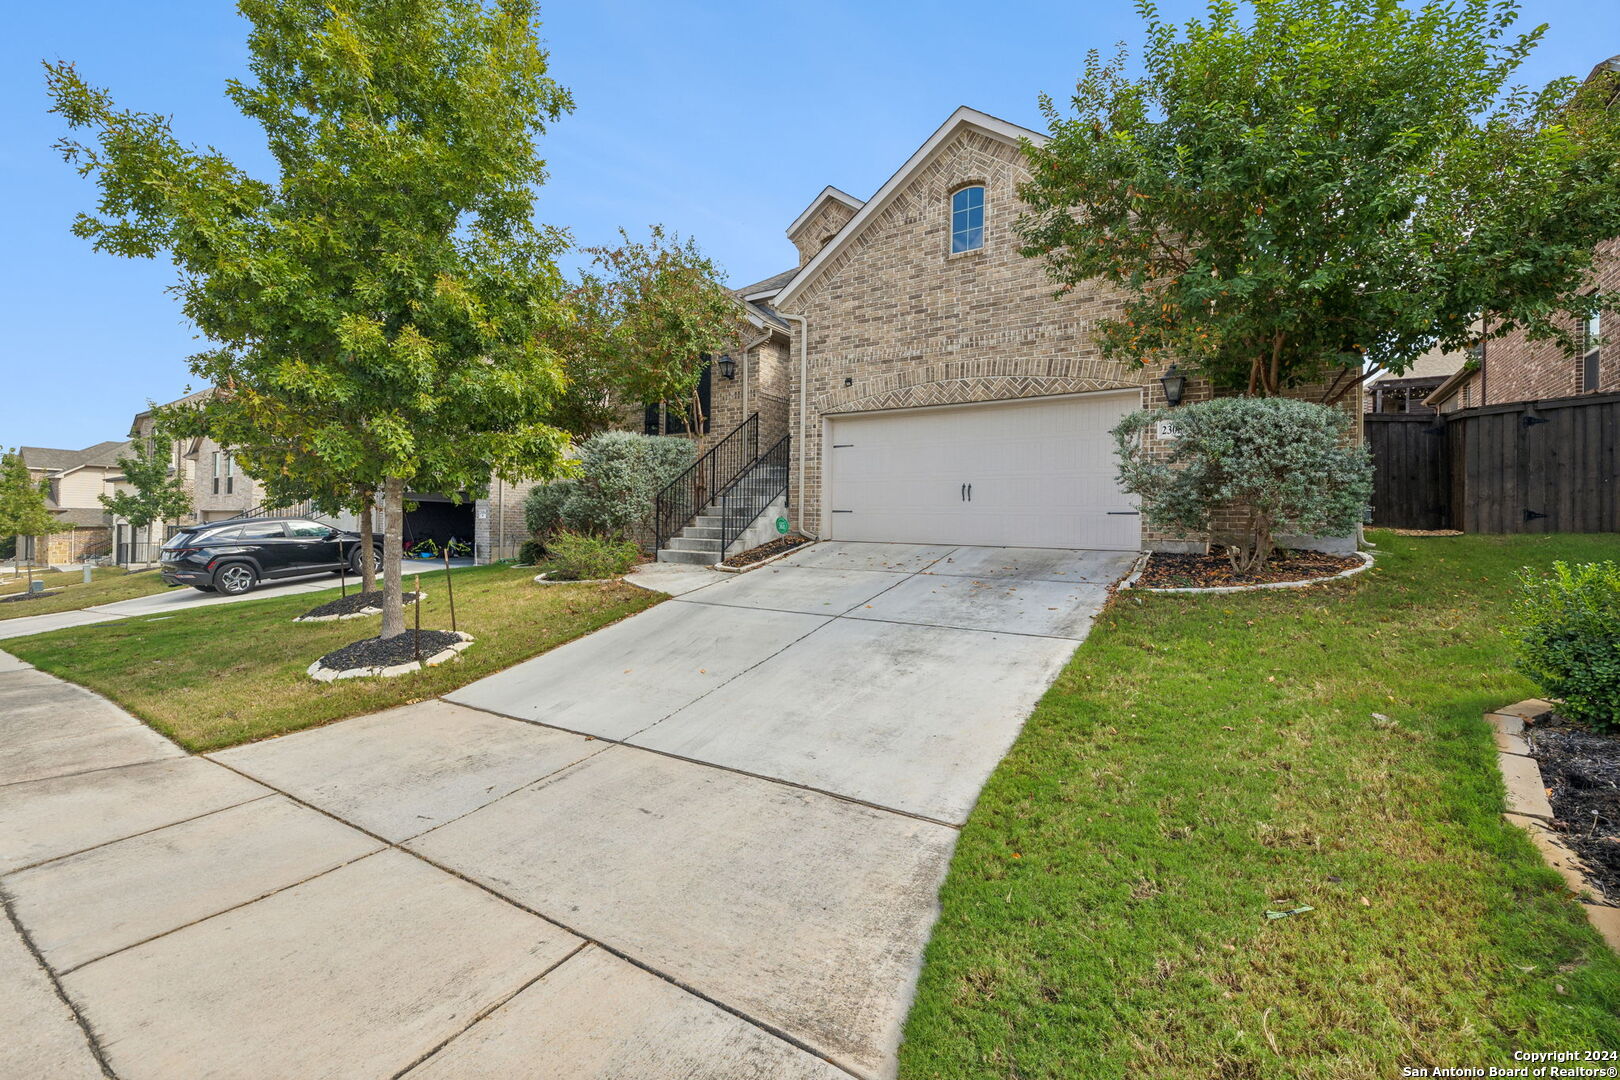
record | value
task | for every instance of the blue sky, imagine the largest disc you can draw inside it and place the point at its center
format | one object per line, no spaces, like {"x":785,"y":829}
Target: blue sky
{"x":719,"y":119}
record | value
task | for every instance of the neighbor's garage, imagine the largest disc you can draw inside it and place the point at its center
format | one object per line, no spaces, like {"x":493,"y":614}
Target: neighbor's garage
{"x":1035,"y":473}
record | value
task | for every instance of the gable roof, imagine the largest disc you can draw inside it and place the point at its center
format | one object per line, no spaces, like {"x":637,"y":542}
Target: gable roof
{"x":135,"y":424}
{"x":958,"y":120}
{"x":769,"y":287}
{"x":828,"y":192}
{"x":60,"y":461}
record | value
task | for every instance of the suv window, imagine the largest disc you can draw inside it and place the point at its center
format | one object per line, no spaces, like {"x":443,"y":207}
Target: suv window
{"x":261,"y":530}
{"x":179,"y":540}
{"x":307,"y":530}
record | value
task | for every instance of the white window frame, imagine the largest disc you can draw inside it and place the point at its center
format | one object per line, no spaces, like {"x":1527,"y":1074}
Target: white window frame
{"x":1591,"y":352}
{"x":984,"y":218}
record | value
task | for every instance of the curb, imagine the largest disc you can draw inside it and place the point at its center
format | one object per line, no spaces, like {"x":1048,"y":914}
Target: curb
{"x":1365,"y":557}
{"x":363,"y":613}
{"x":1529,"y":808}
{"x":326,"y":674}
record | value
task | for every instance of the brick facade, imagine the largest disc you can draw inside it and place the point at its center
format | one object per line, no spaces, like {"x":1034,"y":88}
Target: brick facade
{"x":1514,"y":369}
{"x":896,"y":321}
{"x":821,"y":226}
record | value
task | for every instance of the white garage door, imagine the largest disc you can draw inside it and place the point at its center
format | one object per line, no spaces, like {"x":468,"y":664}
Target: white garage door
{"x":1024,"y":474}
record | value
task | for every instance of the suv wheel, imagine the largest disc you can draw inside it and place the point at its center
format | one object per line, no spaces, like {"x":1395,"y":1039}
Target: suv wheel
{"x":356,"y":567}
{"x":234,"y":579}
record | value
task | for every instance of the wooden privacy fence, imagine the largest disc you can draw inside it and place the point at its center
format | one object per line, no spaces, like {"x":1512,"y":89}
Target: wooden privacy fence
{"x":1535,"y":466}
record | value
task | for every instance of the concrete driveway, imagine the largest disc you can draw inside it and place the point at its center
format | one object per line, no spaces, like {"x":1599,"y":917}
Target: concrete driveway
{"x":703,"y":842}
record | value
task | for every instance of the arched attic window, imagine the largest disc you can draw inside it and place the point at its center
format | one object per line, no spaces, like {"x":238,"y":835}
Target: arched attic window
{"x":967,"y":219}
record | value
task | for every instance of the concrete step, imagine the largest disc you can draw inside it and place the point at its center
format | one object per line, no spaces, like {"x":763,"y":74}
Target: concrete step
{"x":711,"y":532}
{"x":695,"y":558}
{"x":686,"y":543}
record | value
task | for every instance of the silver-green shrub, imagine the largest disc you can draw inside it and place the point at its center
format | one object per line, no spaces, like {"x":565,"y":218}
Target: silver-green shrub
{"x":619,"y":474}
{"x":1566,"y":626}
{"x":1244,"y":469}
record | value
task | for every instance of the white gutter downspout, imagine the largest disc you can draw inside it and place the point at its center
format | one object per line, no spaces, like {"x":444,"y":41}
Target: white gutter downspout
{"x":804,"y":410}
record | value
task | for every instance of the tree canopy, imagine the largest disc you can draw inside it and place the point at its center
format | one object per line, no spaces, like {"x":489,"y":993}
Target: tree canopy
{"x":1307,"y":191}
{"x":22,"y":500}
{"x":385,"y":307}
{"x":646,"y":317}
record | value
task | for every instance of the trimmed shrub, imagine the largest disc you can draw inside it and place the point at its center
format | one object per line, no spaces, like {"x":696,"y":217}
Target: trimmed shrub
{"x":543,"y":507}
{"x":578,"y":557}
{"x":1244,"y":469}
{"x":1567,"y":630}
{"x":620,"y":473}
{"x":531,"y":552}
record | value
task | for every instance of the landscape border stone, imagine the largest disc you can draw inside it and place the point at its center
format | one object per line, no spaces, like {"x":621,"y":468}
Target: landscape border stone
{"x":1365,"y":557}
{"x":1529,"y":808}
{"x":320,"y":673}
{"x":363,"y":613}
{"x":542,"y":579}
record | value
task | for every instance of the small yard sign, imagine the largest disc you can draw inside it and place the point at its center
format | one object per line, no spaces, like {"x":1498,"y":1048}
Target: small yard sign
{"x":781,"y":526}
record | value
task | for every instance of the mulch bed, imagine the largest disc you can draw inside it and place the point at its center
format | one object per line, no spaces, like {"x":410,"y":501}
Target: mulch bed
{"x":765,"y":551}
{"x":1581,"y":769}
{"x":352,"y":604}
{"x":29,"y":596}
{"x":1166,"y":570}
{"x":386,"y":652}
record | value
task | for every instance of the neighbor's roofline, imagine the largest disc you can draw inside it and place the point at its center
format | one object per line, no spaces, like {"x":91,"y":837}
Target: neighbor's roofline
{"x":962,"y":117}
{"x":828,"y":192}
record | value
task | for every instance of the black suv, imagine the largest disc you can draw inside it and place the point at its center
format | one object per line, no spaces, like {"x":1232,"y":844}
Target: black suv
{"x":234,"y":556}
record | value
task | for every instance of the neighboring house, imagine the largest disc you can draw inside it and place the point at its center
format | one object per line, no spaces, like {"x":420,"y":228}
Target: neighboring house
{"x":1513,"y":368}
{"x":76,"y":479}
{"x":1405,"y":393}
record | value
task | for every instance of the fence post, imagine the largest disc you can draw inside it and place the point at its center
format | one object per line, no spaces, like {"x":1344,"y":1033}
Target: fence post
{"x":417,"y":604}
{"x":449,"y":589}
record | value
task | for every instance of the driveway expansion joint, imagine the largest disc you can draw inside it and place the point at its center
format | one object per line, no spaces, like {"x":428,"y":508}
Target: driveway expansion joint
{"x":92,"y":1041}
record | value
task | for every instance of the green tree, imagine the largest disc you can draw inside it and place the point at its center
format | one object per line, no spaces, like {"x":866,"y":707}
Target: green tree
{"x":22,"y":503}
{"x":1326,"y":190}
{"x":647,"y":317}
{"x":389,"y":287}
{"x":159,"y":494}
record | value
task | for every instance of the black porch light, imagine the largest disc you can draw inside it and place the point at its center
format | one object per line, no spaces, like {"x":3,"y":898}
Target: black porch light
{"x":728,"y":368}
{"x":1175,"y":385}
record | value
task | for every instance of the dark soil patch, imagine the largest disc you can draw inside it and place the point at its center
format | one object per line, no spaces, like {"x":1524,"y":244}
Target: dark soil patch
{"x":386,"y":652}
{"x":1170,"y":571}
{"x":1581,"y":769}
{"x":353,"y":603}
{"x":765,"y":551}
{"x":28,"y":596}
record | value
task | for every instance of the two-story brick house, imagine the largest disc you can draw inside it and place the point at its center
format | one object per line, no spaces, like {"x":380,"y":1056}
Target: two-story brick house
{"x":74,"y":480}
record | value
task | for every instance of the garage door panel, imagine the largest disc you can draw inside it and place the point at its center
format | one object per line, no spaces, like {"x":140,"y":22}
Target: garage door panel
{"x":1043,"y":475}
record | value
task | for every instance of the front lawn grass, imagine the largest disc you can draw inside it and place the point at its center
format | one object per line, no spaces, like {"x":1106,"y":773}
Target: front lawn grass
{"x":107,"y":584}
{"x":216,"y":676}
{"x":1202,"y":760}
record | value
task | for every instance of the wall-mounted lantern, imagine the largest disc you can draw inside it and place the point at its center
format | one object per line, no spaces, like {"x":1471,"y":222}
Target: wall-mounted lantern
{"x":728,"y":368}
{"x":1175,"y":385}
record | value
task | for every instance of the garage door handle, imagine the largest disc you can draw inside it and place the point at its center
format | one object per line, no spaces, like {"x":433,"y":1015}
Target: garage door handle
{"x":962,"y":495}
{"x":1130,"y":513}
{"x":970,"y":493}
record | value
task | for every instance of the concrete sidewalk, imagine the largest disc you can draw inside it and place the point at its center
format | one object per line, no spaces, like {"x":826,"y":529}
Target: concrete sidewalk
{"x":703,"y":842}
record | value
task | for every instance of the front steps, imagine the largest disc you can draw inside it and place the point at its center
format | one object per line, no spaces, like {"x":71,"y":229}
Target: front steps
{"x":699,"y":544}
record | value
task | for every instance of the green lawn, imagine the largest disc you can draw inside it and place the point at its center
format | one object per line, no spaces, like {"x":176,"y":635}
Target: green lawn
{"x":1203,"y":760}
{"x":217,"y":676}
{"x":108,"y":584}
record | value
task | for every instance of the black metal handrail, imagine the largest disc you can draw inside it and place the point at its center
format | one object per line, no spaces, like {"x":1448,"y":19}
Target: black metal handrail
{"x":752,"y":492}
{"x":264,"y":509}
{"x":686,"y":495}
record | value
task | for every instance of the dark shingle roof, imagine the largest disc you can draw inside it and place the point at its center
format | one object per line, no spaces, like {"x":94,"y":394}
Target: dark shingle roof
{"x":45,"y":457}
{"x":775,"y":281}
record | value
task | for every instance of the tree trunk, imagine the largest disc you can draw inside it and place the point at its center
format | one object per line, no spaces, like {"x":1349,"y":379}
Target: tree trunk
{"x":393,"y":618}
{"x":368,"y":543}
